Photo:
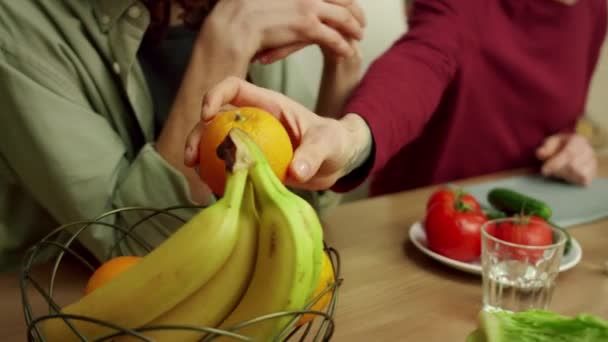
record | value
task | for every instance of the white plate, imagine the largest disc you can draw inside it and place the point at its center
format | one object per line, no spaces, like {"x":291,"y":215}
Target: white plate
{"x":418,"y":238}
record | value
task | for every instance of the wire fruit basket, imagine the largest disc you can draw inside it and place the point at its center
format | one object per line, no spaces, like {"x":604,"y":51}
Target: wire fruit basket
{"x":64,"y":240}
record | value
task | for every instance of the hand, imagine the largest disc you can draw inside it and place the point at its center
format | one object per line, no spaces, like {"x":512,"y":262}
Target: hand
{"x":247,"y":28}
{"x":340,"y":76}
{"x":314,"y":165}
{"x":568,"y":156}
{"x":329,"y":54}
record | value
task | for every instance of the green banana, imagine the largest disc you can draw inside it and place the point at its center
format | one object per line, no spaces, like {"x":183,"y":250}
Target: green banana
{"x":166,"y":276}
{"x":212,"y":303}
{"x":284,"y":267}
{"x":309,"y":216}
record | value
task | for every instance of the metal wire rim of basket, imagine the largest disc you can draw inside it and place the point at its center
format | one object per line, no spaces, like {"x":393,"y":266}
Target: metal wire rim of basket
{"x":321,"y":328}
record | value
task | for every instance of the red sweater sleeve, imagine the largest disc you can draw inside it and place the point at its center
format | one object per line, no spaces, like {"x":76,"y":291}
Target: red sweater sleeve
{"x":403,"y":87}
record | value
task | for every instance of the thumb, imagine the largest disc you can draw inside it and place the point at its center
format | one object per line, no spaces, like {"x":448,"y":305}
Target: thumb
{"x":308,"y":158}
{"x":191,"y":157}
{"x":550,"y":146}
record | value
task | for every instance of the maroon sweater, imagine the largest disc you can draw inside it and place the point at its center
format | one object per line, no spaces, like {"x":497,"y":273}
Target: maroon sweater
{"x":474,"y":87}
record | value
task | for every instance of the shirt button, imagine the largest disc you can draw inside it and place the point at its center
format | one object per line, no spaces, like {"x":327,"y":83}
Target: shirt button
{"x":105,"y":19}
{"x":116,"y":68}
{"x":134,"y":12}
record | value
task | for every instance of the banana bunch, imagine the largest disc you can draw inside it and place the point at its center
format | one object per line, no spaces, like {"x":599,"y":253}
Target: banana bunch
{"x":257,"y":251}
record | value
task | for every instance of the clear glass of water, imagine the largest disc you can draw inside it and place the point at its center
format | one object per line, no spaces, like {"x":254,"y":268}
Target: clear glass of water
{"x":518,"y":277}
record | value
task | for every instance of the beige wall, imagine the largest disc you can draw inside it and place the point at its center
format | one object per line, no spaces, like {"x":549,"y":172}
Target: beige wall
{"x":597,"y":105}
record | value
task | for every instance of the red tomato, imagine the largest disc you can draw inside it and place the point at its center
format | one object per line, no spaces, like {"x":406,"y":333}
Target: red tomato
{"x":454,"y":232}
{"x":450,"y":196}
{"x":528,"y":230}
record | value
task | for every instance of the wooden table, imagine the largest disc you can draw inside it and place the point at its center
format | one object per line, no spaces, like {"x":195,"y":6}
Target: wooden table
{"x":391,"y":291}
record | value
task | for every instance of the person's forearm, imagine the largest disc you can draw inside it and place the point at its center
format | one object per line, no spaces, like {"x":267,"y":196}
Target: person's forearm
{"x":361,"y":141}
{"x":337,"y":82}
{"x":202,"y":72}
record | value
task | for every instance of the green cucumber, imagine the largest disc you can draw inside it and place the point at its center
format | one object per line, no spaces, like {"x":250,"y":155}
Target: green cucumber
{"x":512,"y":202}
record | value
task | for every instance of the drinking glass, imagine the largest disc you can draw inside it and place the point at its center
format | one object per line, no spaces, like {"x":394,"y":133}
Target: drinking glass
{"x":518,"y":277}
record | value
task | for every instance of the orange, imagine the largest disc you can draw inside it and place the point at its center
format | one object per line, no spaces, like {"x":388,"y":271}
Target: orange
{"x":267,"y":132}
{"x":109,"y":270}
{"x":326,"y":279}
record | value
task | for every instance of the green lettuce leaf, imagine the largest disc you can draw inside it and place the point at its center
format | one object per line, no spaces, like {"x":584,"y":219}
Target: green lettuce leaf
{"x":538,"y":326}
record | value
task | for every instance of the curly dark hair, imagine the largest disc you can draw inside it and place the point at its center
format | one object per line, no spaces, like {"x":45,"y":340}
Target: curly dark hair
{"x":195,"y":12}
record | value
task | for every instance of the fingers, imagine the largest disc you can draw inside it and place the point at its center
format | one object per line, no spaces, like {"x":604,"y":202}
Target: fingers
{"x":550,"y":146}
{"x":191,"y":155}
{"x":318,"y":161}
{"x":582,"y":169}
{"x":342,"y":19}
{"x":577,"y":173}
{"x":354,"y":7}
{"x":588,"y":172}
{"x":556,"y":163}
{"x":330,"y":39}
{"x":273,"y":55}
{"x":575,"y":162}
{"x":238,"y":92}
{"x":309,"y":156}
{"x":568,"y":146}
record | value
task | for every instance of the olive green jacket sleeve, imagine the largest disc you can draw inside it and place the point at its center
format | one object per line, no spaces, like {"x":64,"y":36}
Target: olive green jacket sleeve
{"x":76,"y":124}
{"x":69,"y":158}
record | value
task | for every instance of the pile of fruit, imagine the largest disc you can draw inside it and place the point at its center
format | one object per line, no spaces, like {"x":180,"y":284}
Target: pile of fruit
{"x":257,"y":252}
{"x":454,"y":218}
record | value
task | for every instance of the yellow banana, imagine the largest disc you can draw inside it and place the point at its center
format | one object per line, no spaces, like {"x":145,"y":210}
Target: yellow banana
{"x":210,"y":304}
{"x":167,"y":275}
{"x":284,"y":268}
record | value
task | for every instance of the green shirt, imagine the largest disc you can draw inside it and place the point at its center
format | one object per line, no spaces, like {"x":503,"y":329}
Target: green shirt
{"x":77,"y":121}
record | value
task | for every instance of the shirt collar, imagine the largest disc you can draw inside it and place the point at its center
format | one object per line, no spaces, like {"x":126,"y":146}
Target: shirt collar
{"x":107,"y":12}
